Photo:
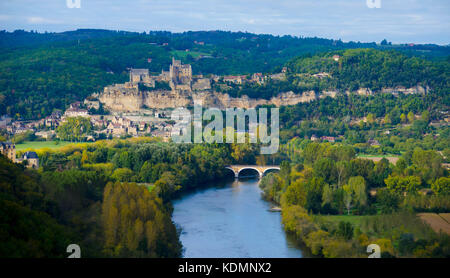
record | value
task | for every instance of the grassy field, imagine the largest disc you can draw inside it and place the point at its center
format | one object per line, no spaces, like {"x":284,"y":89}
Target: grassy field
{"x":36,"y":145}
{"x":376,"y":158}
{"x":183,"y":54}
{"x":355,"y":220}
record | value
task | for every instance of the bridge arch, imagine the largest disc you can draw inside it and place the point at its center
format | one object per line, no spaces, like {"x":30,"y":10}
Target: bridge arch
{"x":272,"y":169}
{"x":248,"y":168}
{"x":261,"y":170}
{"x":232,"y":170}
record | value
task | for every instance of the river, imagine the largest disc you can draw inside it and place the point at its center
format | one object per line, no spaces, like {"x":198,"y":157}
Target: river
{"x":231,"y":219}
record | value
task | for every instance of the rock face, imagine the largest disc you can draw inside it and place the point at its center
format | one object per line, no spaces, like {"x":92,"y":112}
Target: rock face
{"x":133,"y":100}
{"x":130,"y":99}
{"x":413,"y":90}
{"x":119,"y":99}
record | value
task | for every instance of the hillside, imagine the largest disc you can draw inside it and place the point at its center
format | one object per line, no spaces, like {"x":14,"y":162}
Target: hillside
{"x":42,"y":72}
{"x":369,"y":68}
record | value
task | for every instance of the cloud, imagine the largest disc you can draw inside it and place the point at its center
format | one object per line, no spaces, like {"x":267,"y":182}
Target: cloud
{"x":41,"y":20}
{"x":397,"y":20}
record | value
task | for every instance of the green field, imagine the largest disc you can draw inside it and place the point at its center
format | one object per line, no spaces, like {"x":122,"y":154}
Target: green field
{"x":183,"y":54}
{"x":355,"y":220}
{"x":36,"y":145}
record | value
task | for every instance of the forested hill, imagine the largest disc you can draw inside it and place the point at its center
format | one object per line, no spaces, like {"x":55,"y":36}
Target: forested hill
{"x":42,"y":72}
{"x":369,"y":68}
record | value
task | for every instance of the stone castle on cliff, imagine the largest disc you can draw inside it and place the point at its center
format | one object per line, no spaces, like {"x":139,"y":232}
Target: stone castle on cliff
{"x":182,"y":89}
{"x":185,"y":88}
{"x":179,"y":77}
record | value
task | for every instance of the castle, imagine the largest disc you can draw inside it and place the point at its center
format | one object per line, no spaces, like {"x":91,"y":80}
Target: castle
{"x":183,"y":89}
{"x":179,"y":77}
{"x":9,"y":150}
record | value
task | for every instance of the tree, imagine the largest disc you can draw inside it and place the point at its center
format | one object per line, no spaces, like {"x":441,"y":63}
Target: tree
{"x":325,"y":168}
{"x":342,"y":171}
{"x":74,"y":129}
{"x":411,"y":117}
{"x":358,"y":187}
{"x":348,"y":197}
{"x":285,"y":172}
{"x":327,"y":195}
{"x":166,"y":186}
{"x":381,"y":171}
{"x":314,"y":188}
{"x":136,"y":223}
{"x":389,"y":201}
{"x":428,"y":163}
{"x":295,"y":193}
{"x":441,"y":186}
{"x":370,"y":118}
{"x":122,"y":174}
{"x":387,"y":119}
{"x":345,"y":230}
{"x":84,"y":157}
{"x":403,"y":118}
{"x":426,"y":116}
{"x":399,"y":185}
{"x":272,"y":185}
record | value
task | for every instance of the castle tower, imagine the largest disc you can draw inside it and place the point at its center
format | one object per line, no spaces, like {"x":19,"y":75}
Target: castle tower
{"x":9,"y":150}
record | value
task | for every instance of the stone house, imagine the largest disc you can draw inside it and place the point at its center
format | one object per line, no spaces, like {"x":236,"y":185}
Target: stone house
{"x":328,"y":138}
{"x":76,"y":112}
{"x":9,"y":150}
{"x":45,"y":134}
{"x":115,"y":129}
{"x":32,"y":158}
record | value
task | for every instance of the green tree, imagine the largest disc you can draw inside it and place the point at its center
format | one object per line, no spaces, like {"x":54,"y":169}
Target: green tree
{"x":398,"y":184}
{"x":411,"y":117}
{"x":441,"y":186}
{"x":345,"y":230}
{"x":389,"y":201}
{"x":358,"y":187}
{"x":74,"y":129}
{"x":403,"y":118}
{"x":122,"y":174}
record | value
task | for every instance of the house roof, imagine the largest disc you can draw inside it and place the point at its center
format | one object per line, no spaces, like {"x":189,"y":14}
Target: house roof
{"x":30,"y":155}
{"x":7,"y":145}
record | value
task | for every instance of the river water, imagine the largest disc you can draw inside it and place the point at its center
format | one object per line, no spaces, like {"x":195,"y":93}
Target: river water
{"x":231,"y":219}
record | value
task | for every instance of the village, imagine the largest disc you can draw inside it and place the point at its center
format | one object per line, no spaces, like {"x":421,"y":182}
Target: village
{"x":143,"y":105}
{"x":108,"y":122}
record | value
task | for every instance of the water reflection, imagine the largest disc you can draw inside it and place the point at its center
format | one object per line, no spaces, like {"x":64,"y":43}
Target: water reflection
{"x":230,"y":219}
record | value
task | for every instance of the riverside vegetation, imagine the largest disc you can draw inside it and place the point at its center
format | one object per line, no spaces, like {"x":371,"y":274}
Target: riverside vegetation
{"x":329,"y":180}
{"x":113,"y":197}
{"x":110,"y":197}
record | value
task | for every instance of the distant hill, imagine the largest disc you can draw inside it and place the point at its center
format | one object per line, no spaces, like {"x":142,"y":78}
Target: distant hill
{"x":40,"y":72}
{"x":369,"y":68}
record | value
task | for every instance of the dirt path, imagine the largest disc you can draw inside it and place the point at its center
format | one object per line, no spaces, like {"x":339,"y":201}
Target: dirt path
{"x":446,"y":216}
{"x":437,"y":222}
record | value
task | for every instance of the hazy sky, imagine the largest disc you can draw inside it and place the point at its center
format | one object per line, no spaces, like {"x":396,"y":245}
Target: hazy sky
{"x":418,"y":21}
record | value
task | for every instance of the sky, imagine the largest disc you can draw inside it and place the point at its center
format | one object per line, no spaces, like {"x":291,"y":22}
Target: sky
{"x":398,"y":21}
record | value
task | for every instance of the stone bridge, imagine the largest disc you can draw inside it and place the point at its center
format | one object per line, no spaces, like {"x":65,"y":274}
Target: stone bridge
{"x":260,"y":169}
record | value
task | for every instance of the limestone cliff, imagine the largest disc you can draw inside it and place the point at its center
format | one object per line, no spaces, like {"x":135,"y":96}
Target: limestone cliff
{"x":117,"y":98}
